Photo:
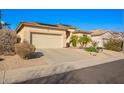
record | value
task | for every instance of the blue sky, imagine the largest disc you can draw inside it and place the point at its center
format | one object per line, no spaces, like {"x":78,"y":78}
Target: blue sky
{"x":82,"y":18}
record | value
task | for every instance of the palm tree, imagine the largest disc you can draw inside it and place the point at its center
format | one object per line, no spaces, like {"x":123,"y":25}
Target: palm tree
{"x":84,"y":40}
{"x":74,"y":40}
{"x":81,"y":41}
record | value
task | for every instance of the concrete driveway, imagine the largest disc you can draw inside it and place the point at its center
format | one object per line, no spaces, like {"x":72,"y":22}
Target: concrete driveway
{"x":63,"y":55}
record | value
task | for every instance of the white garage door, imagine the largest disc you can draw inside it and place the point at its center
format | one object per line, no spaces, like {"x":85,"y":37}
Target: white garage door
{"x":47,"y":40}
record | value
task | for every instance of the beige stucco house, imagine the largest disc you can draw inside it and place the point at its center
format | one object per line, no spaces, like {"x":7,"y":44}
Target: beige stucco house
{"x":45,"y":35}
{"x":102,"y":36}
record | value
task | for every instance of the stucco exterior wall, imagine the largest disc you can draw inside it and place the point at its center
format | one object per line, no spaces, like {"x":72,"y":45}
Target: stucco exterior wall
{"x":101,"y":38}
{"x":21,"y":34}
{"x":25,"y":33}
{"x":71,"y":31}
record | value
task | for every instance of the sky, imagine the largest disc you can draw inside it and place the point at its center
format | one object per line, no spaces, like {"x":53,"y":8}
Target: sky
{"x":82,"y":19}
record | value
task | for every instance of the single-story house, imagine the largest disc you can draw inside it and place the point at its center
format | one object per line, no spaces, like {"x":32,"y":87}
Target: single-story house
{"x":102,"y":36}
{"x":45,"y":35}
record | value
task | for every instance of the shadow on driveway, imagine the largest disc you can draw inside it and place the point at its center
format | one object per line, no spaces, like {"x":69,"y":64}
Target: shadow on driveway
{"x":1,"y":59}
{"x":36,"y":55}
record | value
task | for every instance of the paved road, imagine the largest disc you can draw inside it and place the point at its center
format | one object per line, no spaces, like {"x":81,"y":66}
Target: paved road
{"x":110,"y":73}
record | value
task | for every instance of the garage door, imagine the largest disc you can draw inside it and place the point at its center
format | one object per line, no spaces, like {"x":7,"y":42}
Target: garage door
{"x":47,"y":40}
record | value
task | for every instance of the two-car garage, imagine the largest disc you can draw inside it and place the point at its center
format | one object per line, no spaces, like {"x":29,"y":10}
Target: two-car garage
{"x":45,"y":40}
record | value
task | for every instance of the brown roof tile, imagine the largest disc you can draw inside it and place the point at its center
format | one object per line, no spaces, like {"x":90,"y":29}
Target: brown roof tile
{"x":99,"y":32}
{"x":37,"y":24}
{"x":82,"y":31}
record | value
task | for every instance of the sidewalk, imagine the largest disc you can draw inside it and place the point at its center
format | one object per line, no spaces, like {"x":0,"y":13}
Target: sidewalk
{"x":32,"y":72}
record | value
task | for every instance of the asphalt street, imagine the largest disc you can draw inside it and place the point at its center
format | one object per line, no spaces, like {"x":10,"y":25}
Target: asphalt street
{"x":109,"y":73}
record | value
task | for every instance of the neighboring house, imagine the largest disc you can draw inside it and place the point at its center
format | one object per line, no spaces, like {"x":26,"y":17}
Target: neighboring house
{"x":101,"y":36}
{"x":45,"y":35}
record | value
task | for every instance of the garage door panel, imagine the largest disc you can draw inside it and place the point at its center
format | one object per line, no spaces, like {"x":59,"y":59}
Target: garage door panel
{"x":47,"y":40}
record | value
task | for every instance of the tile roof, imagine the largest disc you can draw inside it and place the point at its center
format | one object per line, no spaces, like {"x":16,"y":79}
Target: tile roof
{"x":118,"y":34}
{"x":53,"y":26}
{"x":99,"y":32}
{"x":82,"y":31}
{"x":67,"y":26}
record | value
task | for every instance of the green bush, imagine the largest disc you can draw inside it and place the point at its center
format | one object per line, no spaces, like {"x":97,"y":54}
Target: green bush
{"x":84,"y":40}
{"x":74,"y":40}
{"x":91,"y":49}
{"x":24,"y":50}
{"x":114,"y":44}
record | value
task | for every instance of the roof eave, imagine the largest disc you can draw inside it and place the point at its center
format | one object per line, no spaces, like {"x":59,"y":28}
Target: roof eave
{"x":25,"y":24}
{"x":83,"y":32}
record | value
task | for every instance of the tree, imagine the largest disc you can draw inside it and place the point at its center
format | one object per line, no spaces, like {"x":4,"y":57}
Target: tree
{"x":84,"y":40}
{"x":123,"y":42}
{"x":0,"y":20}
{"x":7,"y":41}
{"x":3,"y":25}
{"x":74,"y":40}
{"x":8,"y":38}
{"x":81,"y":41}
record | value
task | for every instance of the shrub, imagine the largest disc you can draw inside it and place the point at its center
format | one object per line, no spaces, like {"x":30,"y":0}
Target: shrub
{"x":24,"y":50}
{"x":7,"y":41}
{"x":74,"y":40}
{"x":84,"y":40}
{"x":91,"y":49}
{"x":114,"y":44}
